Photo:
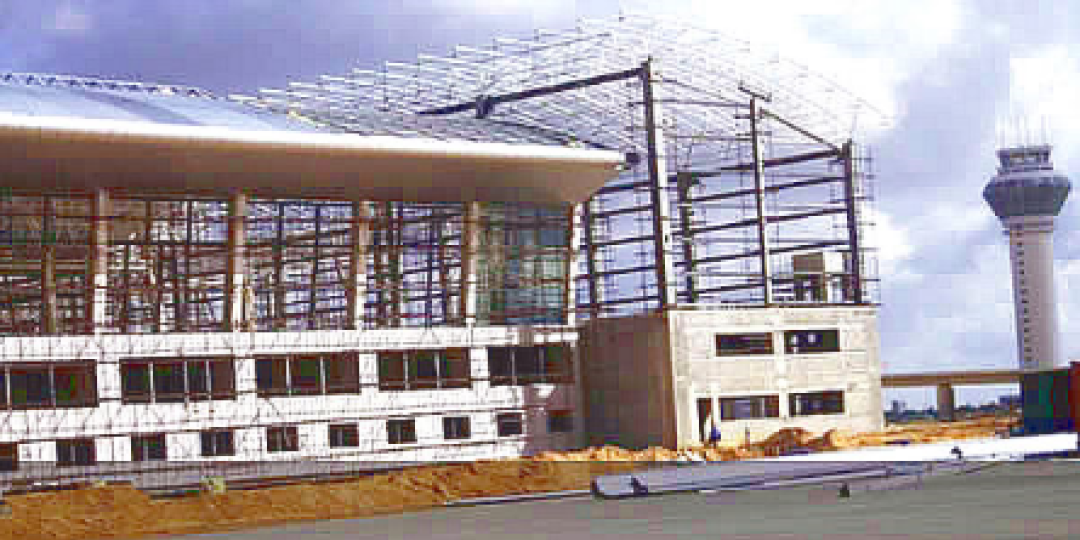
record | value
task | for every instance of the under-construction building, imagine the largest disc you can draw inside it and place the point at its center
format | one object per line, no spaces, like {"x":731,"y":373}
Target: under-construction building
{"x":630,"y":232}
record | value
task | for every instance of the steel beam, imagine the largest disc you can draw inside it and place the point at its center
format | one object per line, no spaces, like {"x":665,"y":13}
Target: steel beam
{"x":851,"y":201}
{"x":656,"y":160}
{"x":759,"y":199}
{"x":483,"y":104}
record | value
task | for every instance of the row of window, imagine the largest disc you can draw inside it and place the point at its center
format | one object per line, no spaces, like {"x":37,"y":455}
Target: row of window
{"x":768,"y":406}
{"x":221,"y":442}
{"x":196,"y":379}
{"x":795,"y":342}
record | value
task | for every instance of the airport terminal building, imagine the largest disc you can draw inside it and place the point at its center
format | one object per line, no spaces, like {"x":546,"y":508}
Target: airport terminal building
{"x":627,"y":232}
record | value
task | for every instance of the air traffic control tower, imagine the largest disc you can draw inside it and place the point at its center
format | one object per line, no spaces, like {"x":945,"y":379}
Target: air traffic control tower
{"x":1027,"y":194}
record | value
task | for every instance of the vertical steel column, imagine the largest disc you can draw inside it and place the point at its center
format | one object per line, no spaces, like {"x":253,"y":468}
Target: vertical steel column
{"x":851,"y":201}
{"x":686,"y":216}
{"x":313,"y":283}
{"x":658,"y":178}
{"x":98,"y":278}
{"x":359,"y":238}
{"x":591,"y":267}
{"x":279,"y":314}
{"x":157,"y":283}
{"x":49,"y":314}
{"x":573,"y":240}
{"x":470,"y":252}
{"x":759,"y":198}
{"x":236,"y":312}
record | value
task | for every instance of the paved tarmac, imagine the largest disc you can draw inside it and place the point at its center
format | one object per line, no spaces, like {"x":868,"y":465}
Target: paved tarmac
{"x":1005,"y":500}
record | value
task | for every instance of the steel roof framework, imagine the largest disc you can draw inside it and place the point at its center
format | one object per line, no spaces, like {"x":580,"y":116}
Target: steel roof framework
{"x":702,"y":118}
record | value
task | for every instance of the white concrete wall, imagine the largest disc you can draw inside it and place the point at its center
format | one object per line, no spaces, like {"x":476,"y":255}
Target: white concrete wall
{"x":111,"y":423}
{"x":855,"y":370}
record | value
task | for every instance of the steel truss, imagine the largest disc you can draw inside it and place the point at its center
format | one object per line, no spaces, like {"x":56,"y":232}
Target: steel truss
{"x":738,"y":161}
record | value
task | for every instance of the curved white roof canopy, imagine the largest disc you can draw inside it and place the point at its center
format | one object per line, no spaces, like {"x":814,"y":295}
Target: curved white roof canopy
{"x":61,"y":153}
{"x":64,"y":133}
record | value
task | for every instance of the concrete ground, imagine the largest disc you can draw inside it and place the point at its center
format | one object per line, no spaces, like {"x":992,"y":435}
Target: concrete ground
{"x":1005,"y":500}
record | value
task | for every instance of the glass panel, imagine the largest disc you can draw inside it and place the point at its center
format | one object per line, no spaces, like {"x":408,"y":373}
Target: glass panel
{"x":391,"y":371}
{"x":31,"y":387}
{"x":342,"y":373}
{"x":76,"y":386}
{"x":306,"y":375}
{"x":423,"y":370}
{"x":344,"y":435}
{"x":527,"y":365}
{"x":270,"y":376}
{"x":135,"y":382}
{"x":168,"y":382}
{"x":501,"y":365}
{"x":223,"y":379}
{"x":198,"y":380}
{"x":509,"y":424}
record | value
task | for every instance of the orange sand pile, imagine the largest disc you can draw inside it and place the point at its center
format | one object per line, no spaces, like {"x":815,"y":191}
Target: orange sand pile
{"x":123,"y":512}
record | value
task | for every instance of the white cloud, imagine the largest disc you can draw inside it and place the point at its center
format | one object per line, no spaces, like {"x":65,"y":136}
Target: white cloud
{"x":69,"y":18}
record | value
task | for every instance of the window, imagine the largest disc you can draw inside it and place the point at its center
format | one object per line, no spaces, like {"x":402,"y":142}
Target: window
{"x":177,"y":380}
{"x":811,"y":341}
{"x":305,"y":375}
{"x":814,"y":403}
{"x":560,"y":421}
{"x":344,"y":436}
{"x":75,"y":452}
{"x":509,"y":424}
{"x":742,"y":344}
{"x":149,"y":448}
{"x":515,"y":366}
{"x":456,"y":427}
{"x":217,"y":443}
{"x":44,"y":386}
{"x":308,"y":374}
{"x":401,"y":431}
{"x":424,"y":369}
{"x":749,"y":407}
{"x":282,"y":439}
{"x":342,"y":373}
{"x":9,"y":457}
{"x":31,"y":387}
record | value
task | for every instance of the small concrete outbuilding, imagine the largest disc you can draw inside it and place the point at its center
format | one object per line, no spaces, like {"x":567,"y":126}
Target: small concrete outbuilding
{"x":666,"y":378}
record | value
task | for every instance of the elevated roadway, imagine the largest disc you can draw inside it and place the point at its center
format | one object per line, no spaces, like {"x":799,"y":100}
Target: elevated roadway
{"x":945,"y":380}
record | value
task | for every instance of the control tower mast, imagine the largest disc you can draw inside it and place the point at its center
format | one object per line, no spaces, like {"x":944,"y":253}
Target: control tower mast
{"x":1026,"y":195}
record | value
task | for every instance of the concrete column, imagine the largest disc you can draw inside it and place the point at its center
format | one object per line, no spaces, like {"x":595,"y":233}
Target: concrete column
{"x":236,"y":268}
{"x":945,"y":402}
{"x":356,"y":289}
{"x":470,"y":253}
{"x":98,"y":276}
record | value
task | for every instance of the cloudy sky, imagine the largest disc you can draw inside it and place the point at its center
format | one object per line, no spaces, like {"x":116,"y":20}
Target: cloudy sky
{"x":958,"y":78}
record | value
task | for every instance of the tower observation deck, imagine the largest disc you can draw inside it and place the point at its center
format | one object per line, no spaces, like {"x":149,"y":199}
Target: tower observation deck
{"x":1026,"y":195}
